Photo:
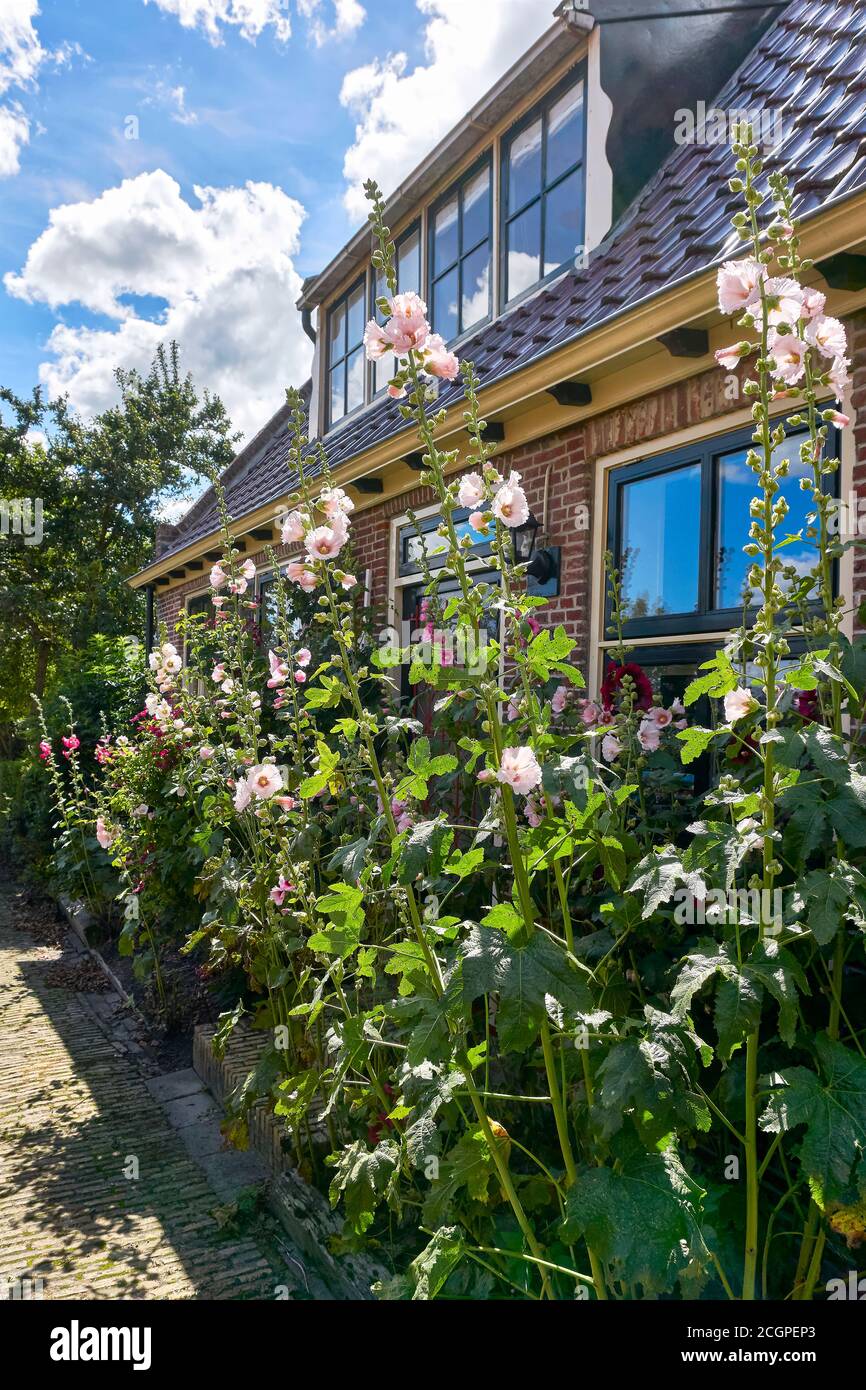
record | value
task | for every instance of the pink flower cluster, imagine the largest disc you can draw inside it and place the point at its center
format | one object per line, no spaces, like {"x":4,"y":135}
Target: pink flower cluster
{"x":261,"y":783}
{"x":322,"y":542}
{"x":796,"y":324}
{"x":504,"y":497}
{"x":237,"y":585}
{"x":165,"y":663}
{"x":649,"y":734}
{"x":407,"y":330}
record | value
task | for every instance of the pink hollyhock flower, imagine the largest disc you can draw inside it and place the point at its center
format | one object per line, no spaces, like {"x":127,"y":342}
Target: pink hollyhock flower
{"x":407,"y":327}
{"x":610,"y":748}
{"x":839,"y":377}
{"x":649,"y":735}
{"x":835,"y":417}
{"x":738,"y":704}
{"x":486,"y":775}
{"x":218,"y":577}
{"x":533,"y":624}
{"x":470,"y":490}
{"x":348,"y":581}
{"x":325,"y":542}
{"x":264,"y":780}
{"x":70,"y":745}
{"x":438,"y":361}
{"x":560,"y":699}
{"x":479,"y":521}
{"x":813,"y":304}
{"x":286,"y":803}
{"x":397,"y":806}
{"x":298,"y":573}
{"x":44,"y":749}
{"x":532,"y":812}
{"x":300,"y":677}
{"x":512,"y":712}
{"x":279,"y":891}
{"x":205,"y":752}
{"x":789,"y":354}
{"x":243,"y":796}
{"x":238,"y":586}
{"x":628,"y":677}
{"x":519,"y":769}
{"x":729,"y":357}
{"x":304,"y":656}
{"x":218,"y":674}
{"x":590,"y":712}
{"x":660,"y":717}
{"x":828,"y":336}
{"x":807,"y":705}
{"x":784,"y":301}
{"x":510,"y":504}
{"x":279,"y":671}
{"x":335,"y":502}
{"x":248,"y":569}
{"x":396,"y":392}
{"x":376,"y":341}
{"x":141,"y":811}
{"x":105,"y":837}
{"x":292,"y":529}
{"x":405,"y":822}
{"x":739,"y":285}
{"x":218,"y":602}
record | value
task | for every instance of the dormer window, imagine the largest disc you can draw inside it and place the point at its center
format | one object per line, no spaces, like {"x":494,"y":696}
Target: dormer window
{"x":542,"y":191}
{"x":347,"y":370}
{"x":460,"y":261}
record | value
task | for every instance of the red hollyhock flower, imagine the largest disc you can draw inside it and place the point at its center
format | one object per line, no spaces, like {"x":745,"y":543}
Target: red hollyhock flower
{"x":639,"y":688}
{"x":806,"y":704}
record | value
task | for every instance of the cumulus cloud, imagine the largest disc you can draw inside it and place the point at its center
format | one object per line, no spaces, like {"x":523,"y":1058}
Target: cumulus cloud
{"x":348,"y":16}
{"x":252,"y":17}
{"x":21,"y":53}
{"x":468,"y":44}
{"x":222,"y":270}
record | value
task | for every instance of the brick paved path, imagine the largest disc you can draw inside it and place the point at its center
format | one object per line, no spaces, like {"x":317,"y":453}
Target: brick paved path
{"x":72,"y":1110}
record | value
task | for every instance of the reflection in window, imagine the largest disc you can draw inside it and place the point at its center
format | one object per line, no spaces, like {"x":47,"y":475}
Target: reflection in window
{"x":544,"y":191}
{"x":660,"y":543}
{"x":460,"y":256}
{"x":736,"y":485}
{"x":346,"y":370}
{"x":408,"y":267}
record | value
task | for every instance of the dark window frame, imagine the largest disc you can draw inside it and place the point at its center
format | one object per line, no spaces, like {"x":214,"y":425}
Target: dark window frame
{"x":346,"y":353}
{"x":406,"y":568}
{"x":706,"y":453}
{"x":458,"y":187}
{"x":577,"y":74}
{"x":375,"y":393}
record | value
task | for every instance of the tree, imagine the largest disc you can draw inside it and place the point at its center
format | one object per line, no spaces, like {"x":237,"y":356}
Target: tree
{"x":102,"y":484}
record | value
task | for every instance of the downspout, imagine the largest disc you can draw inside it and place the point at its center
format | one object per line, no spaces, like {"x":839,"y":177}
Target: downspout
{"x":307,"y":324}
{"x":148,"y":619}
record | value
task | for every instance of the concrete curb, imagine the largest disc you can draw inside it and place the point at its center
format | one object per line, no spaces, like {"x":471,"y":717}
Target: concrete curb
{"x":79,"y":920}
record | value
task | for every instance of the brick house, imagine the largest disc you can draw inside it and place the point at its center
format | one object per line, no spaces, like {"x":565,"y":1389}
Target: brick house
{"x":566,"y":237}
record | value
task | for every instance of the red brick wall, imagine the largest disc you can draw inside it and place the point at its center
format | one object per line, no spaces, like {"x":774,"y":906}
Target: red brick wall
{"x":857,"y":350}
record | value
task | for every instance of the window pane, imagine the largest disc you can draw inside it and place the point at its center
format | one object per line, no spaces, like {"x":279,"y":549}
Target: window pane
{"x":563,"y":222}
{"x":565,"y":133}
{"x":476,"y":210}
{"x":445,"y":237}
{"x":356,"y":317}
{"x":524,"y":160}
{"x":337,"y":328}
{"x":524,"y":251}
{"x":737,"y":485}
{"x":476,"y":287}
{"x":383,"y":371}
{"x":409,"y":264}
{"x":445,"y":306}
{"x":659,"y":544}
{"x":355,"y":380}
{"x":338,"y":386}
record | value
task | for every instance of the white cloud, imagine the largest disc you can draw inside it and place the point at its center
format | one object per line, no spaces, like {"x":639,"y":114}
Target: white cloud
{"x":251,"y":17}
{"x":402,"y":114}
{"x":349,"y":15}
{"x":14,"y":133}
{"x":224,"y":270}
{"x":21,"y":53}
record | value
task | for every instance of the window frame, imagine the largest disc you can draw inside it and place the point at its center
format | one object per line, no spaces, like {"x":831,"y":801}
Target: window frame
{"x":334,"y":308}
{"x":407,"y":569}
{"x":705,"y":452}
{"x":577,"y":74}
{"x":458,"y":187}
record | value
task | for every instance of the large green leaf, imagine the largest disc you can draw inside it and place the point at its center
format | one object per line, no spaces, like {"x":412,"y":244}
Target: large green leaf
{"x":831,"y":1103}
{"x":361,"y":1178}
{"x":522,"y":976}
{"x":641,"y":1218}
{"x":652,"y":1078}
{"x":657,"y":876}
{"x":431,"y":1269}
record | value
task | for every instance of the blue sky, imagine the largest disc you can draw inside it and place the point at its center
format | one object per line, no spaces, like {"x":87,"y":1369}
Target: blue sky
{"x":106,"y":247}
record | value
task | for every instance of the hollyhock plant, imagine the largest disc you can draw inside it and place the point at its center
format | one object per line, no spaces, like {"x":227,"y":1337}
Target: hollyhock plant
{"x":293,"y":529}
{"x":325,"y":542}
{"x":739,"y":285}
{"x":470,"y":490}
{"x":519,"y":769}
{"x":510,"y":505}
{"x":628,"y":683}
{"x":739,"y":704}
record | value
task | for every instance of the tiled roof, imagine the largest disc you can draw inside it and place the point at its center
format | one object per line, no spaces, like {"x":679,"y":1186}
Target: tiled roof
{"x":810,"y":67}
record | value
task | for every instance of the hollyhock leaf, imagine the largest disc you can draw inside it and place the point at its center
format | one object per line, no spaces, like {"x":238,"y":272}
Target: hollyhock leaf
{"x":547,"y":652}
{"x":831,"y":1103}
{"x":845,"y":811}
{"x":739,"y":997}
{"x":695,"y":741}
{"x":296,"y":1095}
{"x":461,"y":865}
{"x":423,"y":850}
{"x":782,"y":978}
{"x":710,"y":958}
{"x":651,"y":1078}
{"x":637,"y":1217}
{"x":522,"y":976}
{"x":826,"y":899}
{"x":503,"y":917}
{"x":808,"y":826}
{"x":349,"y":860}
{"x":719,"y":680}
{"x":613,"y":859}
{"x":658,"y":875}
{"x":430,"y":1039}
{"x":361,"y":1179}
{"x":433,"y":1267}
{"x":426,"y":1089}
{"x":469,"y":1164}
